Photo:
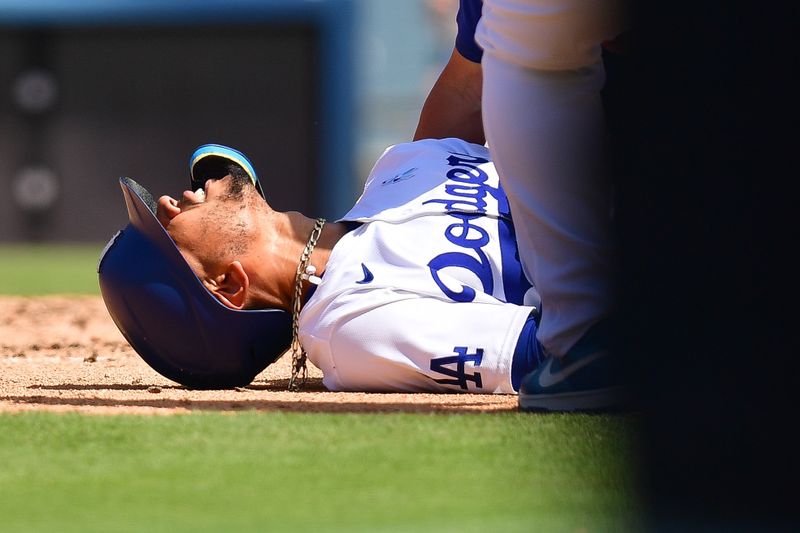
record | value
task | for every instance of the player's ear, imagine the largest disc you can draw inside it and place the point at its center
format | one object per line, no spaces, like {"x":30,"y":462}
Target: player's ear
{"x":231,"y":286}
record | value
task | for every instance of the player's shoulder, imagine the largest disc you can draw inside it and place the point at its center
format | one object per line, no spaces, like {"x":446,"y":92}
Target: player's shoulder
{"x":446,"y":145}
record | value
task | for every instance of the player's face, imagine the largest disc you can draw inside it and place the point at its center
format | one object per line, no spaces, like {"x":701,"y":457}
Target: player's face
{"x":191,"y":204}
{"x":192,"y":218}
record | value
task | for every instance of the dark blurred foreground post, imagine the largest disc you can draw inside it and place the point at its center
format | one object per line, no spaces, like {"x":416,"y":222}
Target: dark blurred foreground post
{"x":709,"y":157}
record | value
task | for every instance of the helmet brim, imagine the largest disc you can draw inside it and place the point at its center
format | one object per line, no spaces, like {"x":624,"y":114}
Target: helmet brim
{"x":211,"y":161}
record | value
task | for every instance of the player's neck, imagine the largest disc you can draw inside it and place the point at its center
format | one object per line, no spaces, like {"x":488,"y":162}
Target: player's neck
{"x":330,"y":235}
{"x":284,"y":237}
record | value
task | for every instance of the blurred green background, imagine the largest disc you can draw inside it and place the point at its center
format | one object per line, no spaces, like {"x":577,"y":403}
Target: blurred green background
{"x":37,"y":269}
{"x":391,"y":56}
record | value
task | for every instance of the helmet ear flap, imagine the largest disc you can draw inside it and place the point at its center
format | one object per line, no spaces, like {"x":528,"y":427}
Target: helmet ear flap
{"x":211,"y":161}
{"x":169,"y":317}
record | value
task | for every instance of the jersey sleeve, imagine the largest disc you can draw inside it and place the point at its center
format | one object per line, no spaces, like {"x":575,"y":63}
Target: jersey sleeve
{"x":469,"y":12}
{"x":425,"y":344}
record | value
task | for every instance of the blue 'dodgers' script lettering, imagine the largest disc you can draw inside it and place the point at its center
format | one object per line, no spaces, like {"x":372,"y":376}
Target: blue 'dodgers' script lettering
{"x":465,"y":201}
{"x":470,"y":189}
{"x":468,"y":193}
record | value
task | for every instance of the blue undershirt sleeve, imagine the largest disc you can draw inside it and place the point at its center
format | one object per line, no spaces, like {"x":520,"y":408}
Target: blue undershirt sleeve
{"x":527,"y":354}
{"x":469,"y":12}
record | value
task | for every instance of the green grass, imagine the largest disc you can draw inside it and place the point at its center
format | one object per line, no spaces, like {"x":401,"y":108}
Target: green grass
{"x":37,"y":269}
{"x":315,"y":472}
{"x":299,"y":472}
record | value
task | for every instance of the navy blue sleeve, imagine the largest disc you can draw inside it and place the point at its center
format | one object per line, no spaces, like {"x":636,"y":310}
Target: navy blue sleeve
{"x":528,"y":353}
{"x":469,"y":12}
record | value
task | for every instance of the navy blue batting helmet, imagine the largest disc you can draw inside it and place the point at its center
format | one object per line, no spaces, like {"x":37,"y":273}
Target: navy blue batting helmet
{"x":168,"y":316}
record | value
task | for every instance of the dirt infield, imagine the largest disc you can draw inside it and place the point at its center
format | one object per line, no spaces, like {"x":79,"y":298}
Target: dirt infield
{"x":65,"y":354}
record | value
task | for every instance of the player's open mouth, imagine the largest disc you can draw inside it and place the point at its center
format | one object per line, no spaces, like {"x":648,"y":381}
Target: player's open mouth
{"x":192,"y":198}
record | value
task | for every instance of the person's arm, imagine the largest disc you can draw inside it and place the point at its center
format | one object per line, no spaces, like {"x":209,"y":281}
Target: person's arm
{"x":453,"y":106}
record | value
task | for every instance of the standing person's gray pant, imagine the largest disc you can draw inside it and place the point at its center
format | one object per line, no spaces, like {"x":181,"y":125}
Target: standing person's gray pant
{"x":544,"y":124}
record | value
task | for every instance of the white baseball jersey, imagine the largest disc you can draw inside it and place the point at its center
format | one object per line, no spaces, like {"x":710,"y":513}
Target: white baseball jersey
{"x":427,"y":294}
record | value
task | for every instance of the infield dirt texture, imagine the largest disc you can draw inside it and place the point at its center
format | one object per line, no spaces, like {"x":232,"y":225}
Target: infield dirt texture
{"x":62,"y":353}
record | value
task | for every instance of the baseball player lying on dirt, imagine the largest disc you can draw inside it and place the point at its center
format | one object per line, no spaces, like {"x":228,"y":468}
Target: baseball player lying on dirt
{"x":417,"y":288}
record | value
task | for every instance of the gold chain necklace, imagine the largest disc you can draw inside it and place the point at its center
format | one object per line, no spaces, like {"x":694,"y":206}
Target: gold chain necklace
{"x":304,"y":272}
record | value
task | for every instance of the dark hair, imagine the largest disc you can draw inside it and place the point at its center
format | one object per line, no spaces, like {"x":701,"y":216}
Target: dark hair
{"x":237,"y":172}
{"x":240,"y":180}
